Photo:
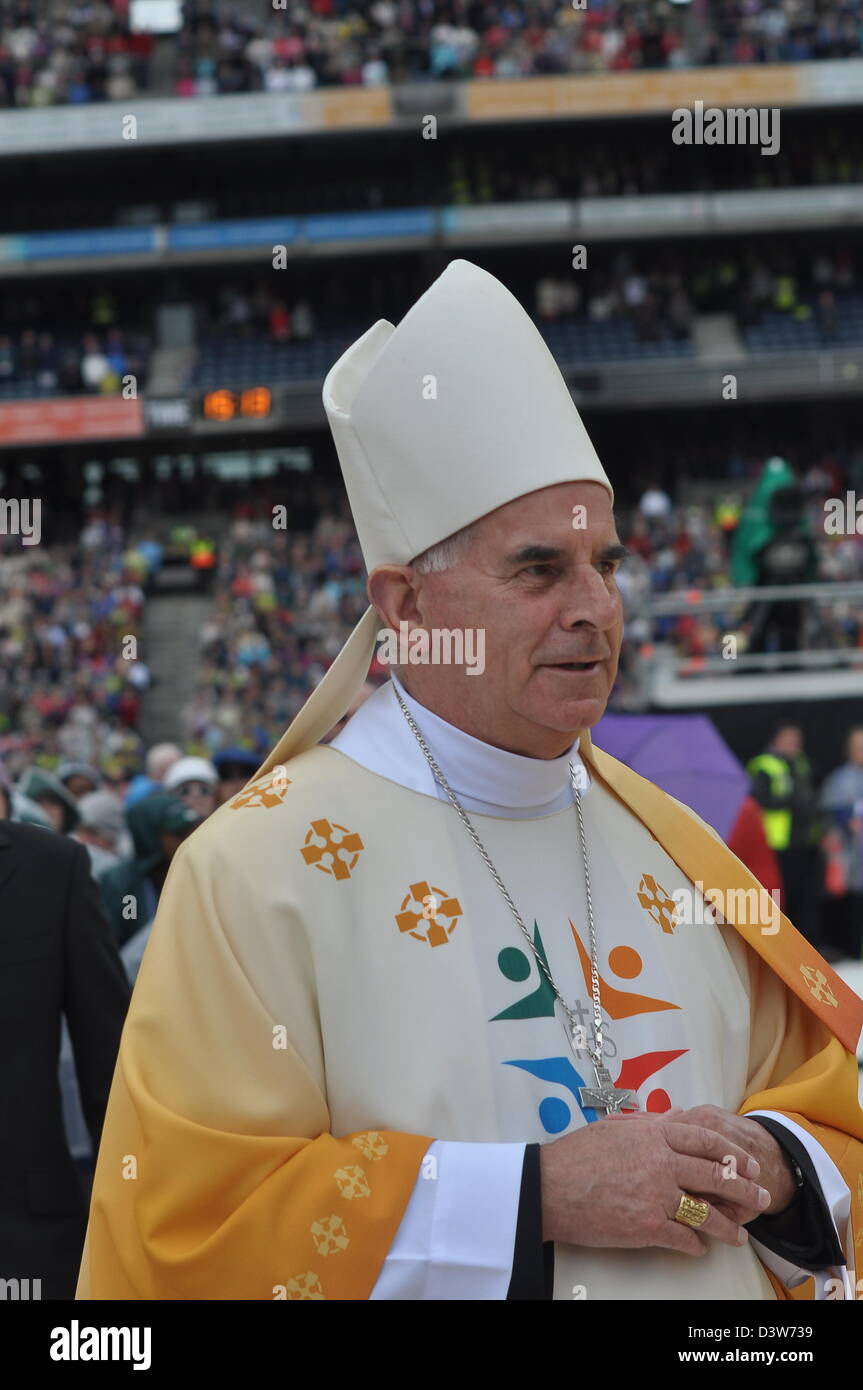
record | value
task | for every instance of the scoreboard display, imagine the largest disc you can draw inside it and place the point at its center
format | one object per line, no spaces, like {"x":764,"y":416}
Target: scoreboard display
{"x":253,"y":403}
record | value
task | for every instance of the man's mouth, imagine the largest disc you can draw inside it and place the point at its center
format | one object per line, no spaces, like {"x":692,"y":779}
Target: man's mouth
{"x":574,"y":665}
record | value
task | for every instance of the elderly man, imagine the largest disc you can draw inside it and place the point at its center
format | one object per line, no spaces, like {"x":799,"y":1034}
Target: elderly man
{"x":419,"y":1018}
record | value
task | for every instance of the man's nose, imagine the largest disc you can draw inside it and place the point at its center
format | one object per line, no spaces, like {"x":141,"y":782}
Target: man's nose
{"x":589,"y":599}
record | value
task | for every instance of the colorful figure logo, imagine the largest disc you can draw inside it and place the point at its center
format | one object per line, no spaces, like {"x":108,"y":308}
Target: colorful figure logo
{"x":556,"y":1115}
{"x":624,"y":962}
{"x":514,"y":964}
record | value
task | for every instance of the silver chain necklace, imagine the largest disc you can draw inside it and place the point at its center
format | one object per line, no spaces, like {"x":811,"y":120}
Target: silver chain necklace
{"x":603,"y":1095}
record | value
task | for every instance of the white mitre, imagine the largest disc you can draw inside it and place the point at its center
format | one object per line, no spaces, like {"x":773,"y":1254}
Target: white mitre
{"x":437,"y":422}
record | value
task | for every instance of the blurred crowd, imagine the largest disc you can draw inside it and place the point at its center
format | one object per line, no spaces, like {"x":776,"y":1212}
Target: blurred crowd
{"x":97,"y":364}
{"x":71,"y":677}
{"x":283,"y":606}
{"x":74,"y":342}
{"x":806,"y":287}
{"x":329,"y":42}
{"x":78,"y":51}
{"x":70,"y":52}
{"x":256,"y":309}
{"x":661,"y":292}
{"x":656,"y":301}
{"x":790,"y":31}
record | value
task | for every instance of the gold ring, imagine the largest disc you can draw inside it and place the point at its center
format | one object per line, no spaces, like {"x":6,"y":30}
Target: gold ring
{"x":691,"y":1211}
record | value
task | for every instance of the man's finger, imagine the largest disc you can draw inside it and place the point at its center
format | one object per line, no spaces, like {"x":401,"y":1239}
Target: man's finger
{"x":677,"y":1236}
{"x":719,"y":1227}
{"x":699,"y":1142}
{"x":708,"y":1177}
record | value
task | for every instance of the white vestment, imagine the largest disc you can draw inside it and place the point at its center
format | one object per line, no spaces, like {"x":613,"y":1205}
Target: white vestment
{"x":683,"y":1021}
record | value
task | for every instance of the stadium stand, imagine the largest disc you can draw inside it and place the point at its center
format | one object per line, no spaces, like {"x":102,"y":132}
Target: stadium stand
{"x":82,"y":51}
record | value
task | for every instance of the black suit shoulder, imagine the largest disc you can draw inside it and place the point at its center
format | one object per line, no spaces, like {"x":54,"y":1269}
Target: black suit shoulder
{"x":33,"y":843}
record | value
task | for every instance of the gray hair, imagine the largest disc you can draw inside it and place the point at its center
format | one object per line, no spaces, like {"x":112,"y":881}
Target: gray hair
{"x":160,"y":758}
{"x":446,"y":553}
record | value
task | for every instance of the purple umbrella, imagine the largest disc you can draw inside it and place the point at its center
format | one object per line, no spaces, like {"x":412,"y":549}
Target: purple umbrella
{"x":685,"y":755}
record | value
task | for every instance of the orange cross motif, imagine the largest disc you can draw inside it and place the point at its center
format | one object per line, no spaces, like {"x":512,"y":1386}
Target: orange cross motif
{"x":306,"y":1285}
{"x":816,"y":983}
{"x":657,"y":903}
{"x":332,"y":849}
{"x":373,"y":1145}
{"x":352,"y":1182}
{"x":329,"y":1235}
{"x":424,"y":925}
{"x":264,"y":794}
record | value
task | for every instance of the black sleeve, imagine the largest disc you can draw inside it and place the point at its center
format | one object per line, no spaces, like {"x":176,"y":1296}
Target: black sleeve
{"x":804,"y":1232}
{"x":533,"y":1258}
{"x":95,"y":995}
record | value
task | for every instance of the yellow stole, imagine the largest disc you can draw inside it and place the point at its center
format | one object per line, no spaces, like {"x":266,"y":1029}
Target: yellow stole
{"x":821,"y":1095}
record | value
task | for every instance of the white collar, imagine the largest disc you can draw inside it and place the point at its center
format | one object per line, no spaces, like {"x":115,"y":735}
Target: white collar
{"x":486,"y":779}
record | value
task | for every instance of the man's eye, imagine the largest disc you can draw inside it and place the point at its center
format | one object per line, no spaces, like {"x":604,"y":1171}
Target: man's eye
{"x":539,"y":567}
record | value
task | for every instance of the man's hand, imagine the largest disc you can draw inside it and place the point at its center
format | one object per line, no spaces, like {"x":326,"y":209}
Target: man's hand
{"x":776,"y":1174}
{"x":618,"y":1182}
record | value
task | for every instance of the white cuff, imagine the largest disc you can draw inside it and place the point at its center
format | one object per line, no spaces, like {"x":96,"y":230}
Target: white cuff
{"x":457,"y":1236}
{"x":838,"y":1199}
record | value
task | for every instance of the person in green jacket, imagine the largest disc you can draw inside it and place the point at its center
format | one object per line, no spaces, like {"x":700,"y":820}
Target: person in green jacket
{"x":55,"y":801}
{"x":158,"y":824}
{"x":773,"y":545}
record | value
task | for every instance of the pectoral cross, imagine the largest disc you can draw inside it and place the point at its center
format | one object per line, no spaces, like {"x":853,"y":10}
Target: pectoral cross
{"x":604,"y":1095}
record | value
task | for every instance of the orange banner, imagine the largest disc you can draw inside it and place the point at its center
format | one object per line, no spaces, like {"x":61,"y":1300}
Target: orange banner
{"x":623,"y":93}
{"x":347,"y":109}
{"x":70,"y":418}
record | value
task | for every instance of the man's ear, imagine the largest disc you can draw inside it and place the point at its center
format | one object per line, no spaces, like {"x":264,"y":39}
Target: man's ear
{"x":393,"y":591}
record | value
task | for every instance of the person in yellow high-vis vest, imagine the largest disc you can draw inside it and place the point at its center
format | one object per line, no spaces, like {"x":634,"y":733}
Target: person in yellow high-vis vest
{"x":783,"y":787}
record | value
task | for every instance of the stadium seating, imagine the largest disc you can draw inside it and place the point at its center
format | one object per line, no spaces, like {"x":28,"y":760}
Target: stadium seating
{"x":85,"y":53}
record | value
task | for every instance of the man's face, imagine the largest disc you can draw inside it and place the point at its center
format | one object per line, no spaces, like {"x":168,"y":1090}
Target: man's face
{"x":788,"y":742}
{"x":79,"y":785}
{"x":54,"y":810}
{"x":855,"y":747}
{"x":546,"y":595}
{"x":200,"y":796}
{"x":229,"y":787}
